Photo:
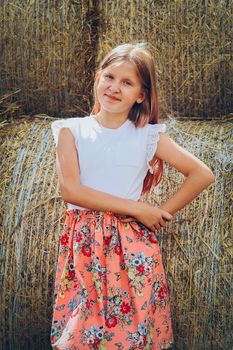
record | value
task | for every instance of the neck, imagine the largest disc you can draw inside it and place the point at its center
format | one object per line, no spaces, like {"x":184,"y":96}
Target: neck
{"x":111,"y":121}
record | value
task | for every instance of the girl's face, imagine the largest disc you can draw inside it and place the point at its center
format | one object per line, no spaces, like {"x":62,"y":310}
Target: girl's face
{"x":119,"y":87}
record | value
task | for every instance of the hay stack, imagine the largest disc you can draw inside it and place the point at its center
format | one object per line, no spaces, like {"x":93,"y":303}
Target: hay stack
{"x":50,"y":50}
{"x":197,"y":246}
{"x":192,"y":45}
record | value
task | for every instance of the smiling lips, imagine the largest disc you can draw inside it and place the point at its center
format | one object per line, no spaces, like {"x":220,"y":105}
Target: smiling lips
{"x":113,"y":98}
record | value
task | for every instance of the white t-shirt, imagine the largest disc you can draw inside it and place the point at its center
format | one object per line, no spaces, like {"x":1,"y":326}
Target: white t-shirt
{"x":113,"y":161}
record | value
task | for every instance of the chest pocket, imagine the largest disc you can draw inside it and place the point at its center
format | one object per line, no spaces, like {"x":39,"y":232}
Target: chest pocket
{"x":127,"y":154}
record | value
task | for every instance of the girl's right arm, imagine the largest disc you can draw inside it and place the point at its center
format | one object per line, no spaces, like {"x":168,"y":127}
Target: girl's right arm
{"x":75,"y":193}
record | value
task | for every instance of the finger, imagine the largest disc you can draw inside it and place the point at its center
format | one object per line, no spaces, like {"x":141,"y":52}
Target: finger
{"x":157,"y":226}
{"x":166,"y":216}
{"x":127,"y":220}
{"x":162,"y":222}
{"x":152,"y":228}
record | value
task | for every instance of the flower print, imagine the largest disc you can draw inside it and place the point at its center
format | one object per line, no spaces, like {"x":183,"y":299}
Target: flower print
{"x":101,"y":274}
{"x":96,"y":342}
{"x":71,"y":266}
{"x":142,"y":329}
{"x":114,"y":240}
{"x":141,"y":342}
{"x":117,"y":250}
{"x":148,"y":269}
{"x":121,"y":307}
{"x":111,"y":322}
{"x":66,"y":284}
{"x":125,"y":308}
{"x":141,"y":256}
{"x":116,"y":310}
{"x":122,"y":265}
{"x":64,"y":239}
{"x":99,"y":334}
{"x":140,"y":233}
{"x":125,"y":293}
{"x":86,"y":250}
{"x":93,"y":330}
{"x":95,"y":336}
{"x":107,"y":241}
{"x":153,"y":238}
{"x":136,"y":262}
{"x":72,"y":305}
{"x":88,"y":304}
{"x":97,"y":267}
{"x":54,"y":331}
{"x":71,"y":274}
{"x":118,"y":300}
{"x":78,"y":237}
{"x":140,"y":338}
{"x":90,"y":340}
{"x":162,"y":292}
{"x":140,"y":268}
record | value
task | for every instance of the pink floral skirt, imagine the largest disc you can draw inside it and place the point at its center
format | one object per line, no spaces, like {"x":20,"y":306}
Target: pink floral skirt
{"x":110,"y":287}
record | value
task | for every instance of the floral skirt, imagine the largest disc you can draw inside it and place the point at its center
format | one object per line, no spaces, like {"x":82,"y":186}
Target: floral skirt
{"x":110,"y":287}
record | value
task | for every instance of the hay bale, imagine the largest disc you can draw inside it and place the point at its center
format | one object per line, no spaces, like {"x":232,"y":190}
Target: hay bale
{"x":192,"y":45}
{"x":50,"y":50}
{"x":196,"y":245}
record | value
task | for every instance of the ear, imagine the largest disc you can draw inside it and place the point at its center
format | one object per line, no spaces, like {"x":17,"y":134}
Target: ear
{"x":142,"y":97}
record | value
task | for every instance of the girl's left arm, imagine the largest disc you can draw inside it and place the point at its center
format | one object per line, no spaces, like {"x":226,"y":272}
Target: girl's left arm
{"x":198,"y":175}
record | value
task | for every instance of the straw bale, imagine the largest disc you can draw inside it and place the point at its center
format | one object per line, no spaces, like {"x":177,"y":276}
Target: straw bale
{"x":196,"y":245}
{"x":50,"y":50}
{"x":8,"y":106}
{"x":192,"y":45}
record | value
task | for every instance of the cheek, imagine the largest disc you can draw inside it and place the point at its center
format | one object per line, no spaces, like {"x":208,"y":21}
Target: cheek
{"x":102,"y":81}
{"x":101,"y":86}
{"x":100,"y":90}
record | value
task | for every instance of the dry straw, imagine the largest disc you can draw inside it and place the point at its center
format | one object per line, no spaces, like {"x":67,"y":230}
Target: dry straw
{"x":50,"y":50}
{"x":192,"y":39}
{"x":196,"y":245}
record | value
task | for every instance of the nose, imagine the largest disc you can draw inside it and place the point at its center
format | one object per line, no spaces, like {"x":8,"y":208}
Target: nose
{"x":114,"y":86}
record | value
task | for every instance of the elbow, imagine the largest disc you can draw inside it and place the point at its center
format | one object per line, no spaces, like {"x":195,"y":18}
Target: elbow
{"x":211,"y":177}
{"x":204,"y":175}
{"x":208,"y":175}
{"x":68,"y":195}
{"x":65,"y":195}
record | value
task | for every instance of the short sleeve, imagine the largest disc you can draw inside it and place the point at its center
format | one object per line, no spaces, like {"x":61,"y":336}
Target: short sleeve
{"x":62,"y":123}
{"x":152,"y":140}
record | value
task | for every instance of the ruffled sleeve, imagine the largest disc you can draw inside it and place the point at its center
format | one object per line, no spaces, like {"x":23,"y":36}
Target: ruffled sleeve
{"x":152,"y":140}
{"x":62,"y":123}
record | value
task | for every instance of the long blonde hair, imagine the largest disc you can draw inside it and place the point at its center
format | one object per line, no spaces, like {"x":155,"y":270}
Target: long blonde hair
{"x":141,"y":113}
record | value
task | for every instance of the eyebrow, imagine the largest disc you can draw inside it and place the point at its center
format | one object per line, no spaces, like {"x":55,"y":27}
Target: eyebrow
{"x":130,"y":79}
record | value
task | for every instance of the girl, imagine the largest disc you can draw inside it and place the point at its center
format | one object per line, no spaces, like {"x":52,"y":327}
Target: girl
{"x":110,"y":288}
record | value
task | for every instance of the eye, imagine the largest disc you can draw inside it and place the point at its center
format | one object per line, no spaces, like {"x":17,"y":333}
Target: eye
{"x":108,"y":76}
{"x":127,"y":83}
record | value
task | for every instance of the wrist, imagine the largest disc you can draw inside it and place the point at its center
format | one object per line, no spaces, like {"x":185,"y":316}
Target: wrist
{"x":134,"y":208}
{"x":166,"y":207}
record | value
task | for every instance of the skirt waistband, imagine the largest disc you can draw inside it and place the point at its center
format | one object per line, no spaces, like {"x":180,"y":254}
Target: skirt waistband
{"x":96,"y":213}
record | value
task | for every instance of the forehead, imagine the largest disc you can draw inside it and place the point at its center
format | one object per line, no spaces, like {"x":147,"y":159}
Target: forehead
{"x":123,"y":69}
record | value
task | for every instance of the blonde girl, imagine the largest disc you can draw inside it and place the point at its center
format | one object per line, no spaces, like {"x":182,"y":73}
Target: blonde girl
{"x":110,"y":286}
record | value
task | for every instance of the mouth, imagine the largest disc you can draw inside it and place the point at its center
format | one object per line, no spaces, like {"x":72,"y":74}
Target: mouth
{"x":112,"y":98}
